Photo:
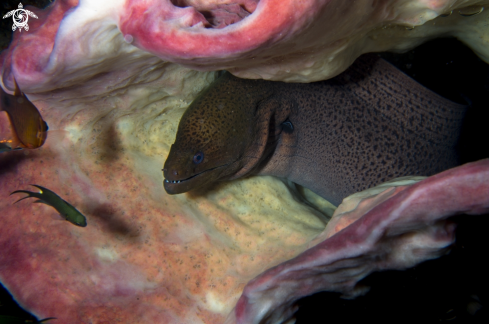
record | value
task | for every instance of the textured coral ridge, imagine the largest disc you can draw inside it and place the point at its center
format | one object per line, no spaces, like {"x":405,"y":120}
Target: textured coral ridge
{"x":296,"y":41}
{"x":394,"y":229}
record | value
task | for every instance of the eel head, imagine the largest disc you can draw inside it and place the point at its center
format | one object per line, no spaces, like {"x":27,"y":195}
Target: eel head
{"x":218,"y":137}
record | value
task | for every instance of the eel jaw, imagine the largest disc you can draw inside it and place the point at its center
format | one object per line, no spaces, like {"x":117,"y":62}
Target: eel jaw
{"x":174,"y":187}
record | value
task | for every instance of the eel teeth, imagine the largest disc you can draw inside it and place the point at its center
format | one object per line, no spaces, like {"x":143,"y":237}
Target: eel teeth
{"x":174,"y":181}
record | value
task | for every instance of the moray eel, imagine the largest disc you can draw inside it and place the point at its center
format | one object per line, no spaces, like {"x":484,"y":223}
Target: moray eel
{"x":46,"y":196}
{"x":336,"y":137}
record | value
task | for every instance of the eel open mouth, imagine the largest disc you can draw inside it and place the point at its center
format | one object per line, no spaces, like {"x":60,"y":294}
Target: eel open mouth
{"x":174,"y":187}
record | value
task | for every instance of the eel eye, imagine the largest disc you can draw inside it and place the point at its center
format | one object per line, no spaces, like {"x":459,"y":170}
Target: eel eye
{"x":198,"y":157}
{"x":287,"y":126}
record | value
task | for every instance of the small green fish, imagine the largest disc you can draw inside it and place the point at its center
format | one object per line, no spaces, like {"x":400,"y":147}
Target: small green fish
{"x":4,"y":319}
{"x":46,"y":196}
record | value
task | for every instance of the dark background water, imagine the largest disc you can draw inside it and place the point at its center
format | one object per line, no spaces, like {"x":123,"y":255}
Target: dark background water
{"x":453,"y":288}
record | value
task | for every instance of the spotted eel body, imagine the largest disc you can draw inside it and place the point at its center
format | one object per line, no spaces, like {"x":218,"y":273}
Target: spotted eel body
{"x":370,"y":124}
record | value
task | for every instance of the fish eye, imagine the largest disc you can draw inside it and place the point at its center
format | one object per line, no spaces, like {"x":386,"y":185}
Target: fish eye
{"x":198,"y":157}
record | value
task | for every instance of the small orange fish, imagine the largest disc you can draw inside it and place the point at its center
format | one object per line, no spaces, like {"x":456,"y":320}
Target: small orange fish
{"x":29,"y":127}
{"x":8,"y":139}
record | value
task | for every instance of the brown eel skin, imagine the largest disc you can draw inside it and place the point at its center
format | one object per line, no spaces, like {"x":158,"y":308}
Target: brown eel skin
{"x":336,"y":137}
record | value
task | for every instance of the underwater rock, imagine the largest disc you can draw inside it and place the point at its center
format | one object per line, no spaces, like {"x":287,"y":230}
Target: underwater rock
{"x":271,"y":39}
{"x":396,"y":228}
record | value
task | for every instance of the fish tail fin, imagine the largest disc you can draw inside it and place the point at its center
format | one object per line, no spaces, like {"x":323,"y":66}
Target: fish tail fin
{"x":22,"y":199}
{"x":22,"y":191}
{"x":29,"y":194}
